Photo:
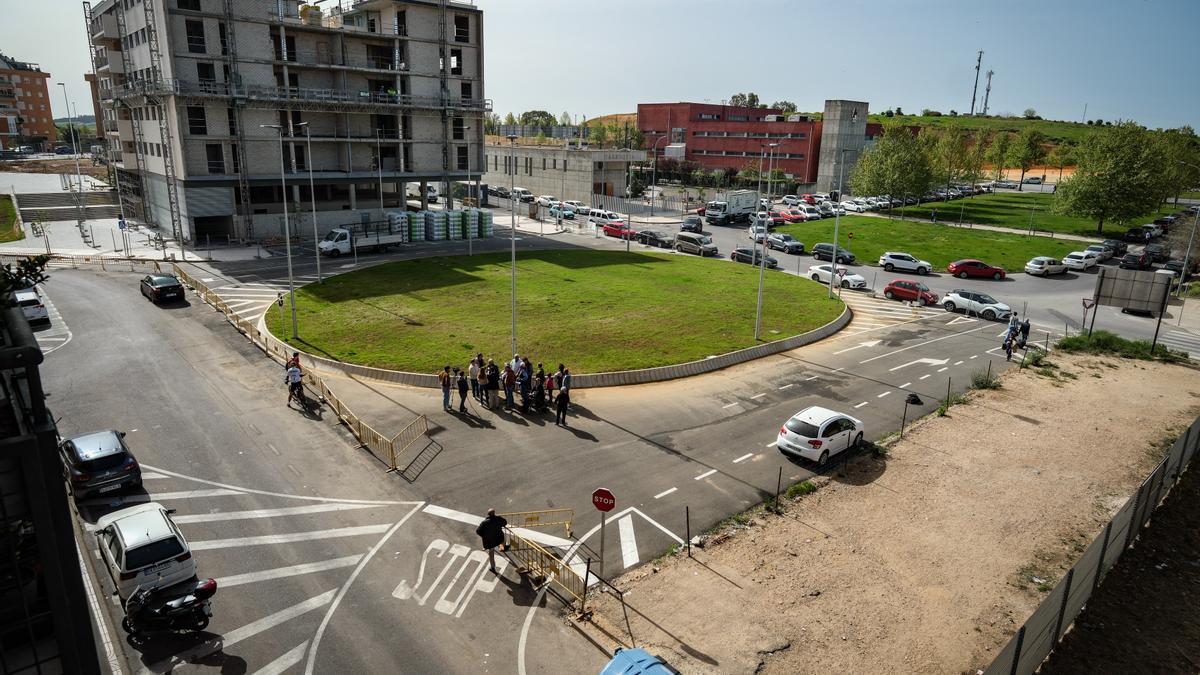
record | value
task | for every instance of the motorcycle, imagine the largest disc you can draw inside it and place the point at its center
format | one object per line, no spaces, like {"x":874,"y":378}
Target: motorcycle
{"x":150,"y":611}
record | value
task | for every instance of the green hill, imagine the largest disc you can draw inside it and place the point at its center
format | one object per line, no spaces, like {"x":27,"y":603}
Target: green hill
{"x":1056,"y":131}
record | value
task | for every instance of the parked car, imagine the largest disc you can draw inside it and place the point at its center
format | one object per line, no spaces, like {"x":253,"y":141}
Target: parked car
{"x":141,"y":547}
{"x":98,"y":463}
{"x":747,"y":255}
{"x":817,"y":433}
{"x":1176,"y":266}
{"x":30,"y":302}
{"x":601,"y":217}
{"x":911,"y":291}
{"x":757,"y":232}
{"x":500,"y":192}
{"x":791,"y":200}
{"x":695,"y":243}
{"x":1118,"y":247}
{"x":655,"y":238}
{"x":1158,"y":252}
{"x":1101,"y":252}
{"x":576,"y":206}
{"x":974,"y":302}
{"x":64,"y":150}
{"x":808,"y":199}
{"x":853,"y":207}
{"x":1032,"y":180}
{"x":810,"y":212}
{"x":1081,"y":261}
{"x":1135,"y":261}
{"x":820,"y":197}
{"x":820,"y":273}
{"x":894,"y":260}
{"x":547,"y":200}
{"x":1044,"y":266}
{"x":824,"y":251}
{"x":970,"y":267}
{"x":779,"y":241}
{"x":562,"y":211}
{"x":1153,"y":230}
{"x":795,"y":215}
{"x":618,"y":228}
{"x":161,"y":287}
{"x":692,"y":224}
{"x":522,"y":195}
{"x":1137,"y":235}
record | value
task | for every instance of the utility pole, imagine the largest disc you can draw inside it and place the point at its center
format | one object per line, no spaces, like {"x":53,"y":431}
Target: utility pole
{"x":987,"y":92}
{"x":975,"y":89}
{"x":1084,"y":120}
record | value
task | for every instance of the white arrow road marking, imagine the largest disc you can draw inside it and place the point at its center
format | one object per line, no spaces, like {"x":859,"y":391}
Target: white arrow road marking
{"x":281,"y":664}
{"x":290,"y":571}
{"x":290,"y":537}
{"x":870,"y":343}
{"x":932,"y":362}
{"x":238,"y":634}
{"x":921,"y":344}
{"x":629,"y":552}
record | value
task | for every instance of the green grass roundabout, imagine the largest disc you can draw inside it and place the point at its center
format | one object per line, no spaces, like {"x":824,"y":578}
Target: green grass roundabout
{"x":596,"y":311}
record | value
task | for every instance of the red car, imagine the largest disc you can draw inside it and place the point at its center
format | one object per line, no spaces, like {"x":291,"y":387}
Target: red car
{"x":777,"y":218}
{"x":912,"y":291}
{"x":617,"y":228}
{"x":793,"y":215}
{"x":809,"y":199}
{"x":970,"y":267}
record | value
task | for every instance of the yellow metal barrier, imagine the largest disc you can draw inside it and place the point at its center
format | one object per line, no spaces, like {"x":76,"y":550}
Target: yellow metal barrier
{"x":400,"y":443}
{"x":543,"y":518}
{"x":541,"y":564}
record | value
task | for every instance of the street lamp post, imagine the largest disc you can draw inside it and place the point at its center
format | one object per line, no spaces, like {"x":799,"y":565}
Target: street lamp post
{"x":837,"y":220}
{"x":762,"y":263}
{"x":287,"y":232}
{"x":73,"y":131}
{"x":654,"y":173}
{"x":379,"y":166}
{"x":512,"y":232}
{"x":312,"y":192}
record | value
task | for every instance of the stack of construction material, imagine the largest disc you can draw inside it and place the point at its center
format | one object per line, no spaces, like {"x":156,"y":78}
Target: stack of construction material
{"x":486,"y":229}
{"x":455,"y":228}
{"x":416,"y":226}
{"x":471,"y":222}
{"x":398,"y":224}
{"x":435,"y":225}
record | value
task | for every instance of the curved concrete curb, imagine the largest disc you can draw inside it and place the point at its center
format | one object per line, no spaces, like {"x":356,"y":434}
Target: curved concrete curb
{"x":582,"y":381}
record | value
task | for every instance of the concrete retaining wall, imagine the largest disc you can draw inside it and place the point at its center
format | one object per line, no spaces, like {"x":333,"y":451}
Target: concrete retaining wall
{"x":585,"y":380}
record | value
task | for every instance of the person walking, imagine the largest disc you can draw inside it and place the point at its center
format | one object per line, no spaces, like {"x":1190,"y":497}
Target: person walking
{"x":1013,"y":324}
{"x":461,"y":380}
{"x":444,"y":380}
{"x":473,"y":373}
{"x":510,"y":383}
{"x":1024,"y":330}
{"x":492,"y":373}
{"x":491,"y":533}
{"x":523,"y":377}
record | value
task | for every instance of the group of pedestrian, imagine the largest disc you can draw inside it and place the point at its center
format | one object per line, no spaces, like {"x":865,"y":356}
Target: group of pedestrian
{"x":1016,"y":336}
{"x":537,"y":389}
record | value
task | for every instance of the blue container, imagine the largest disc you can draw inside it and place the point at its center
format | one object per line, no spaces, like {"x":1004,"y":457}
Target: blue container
{"x":636,"y":662}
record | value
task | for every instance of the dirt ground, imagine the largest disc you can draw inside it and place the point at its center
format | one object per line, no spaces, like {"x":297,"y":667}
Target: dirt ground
{"x":65,"y":165}
{"x":927,"y":560}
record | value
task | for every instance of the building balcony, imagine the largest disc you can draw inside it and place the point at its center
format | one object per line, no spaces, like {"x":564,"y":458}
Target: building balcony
{"x":326,"y":60}
{"x":314,"y":98}
{"x":7,"y":93}
{"x":110,"y":63}
{"x":104,"y":27}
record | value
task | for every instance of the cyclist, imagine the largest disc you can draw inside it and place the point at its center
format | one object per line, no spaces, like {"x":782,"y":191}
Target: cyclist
{"x":295,"y":383}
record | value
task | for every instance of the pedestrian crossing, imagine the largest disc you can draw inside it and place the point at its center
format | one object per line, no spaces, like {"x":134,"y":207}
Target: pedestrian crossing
{"x":871,"y":313}
{"x":1180,"y":340}
{"x":250,"y":300}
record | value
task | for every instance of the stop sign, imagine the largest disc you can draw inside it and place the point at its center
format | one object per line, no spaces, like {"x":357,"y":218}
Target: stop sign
{"x":603,"y":500}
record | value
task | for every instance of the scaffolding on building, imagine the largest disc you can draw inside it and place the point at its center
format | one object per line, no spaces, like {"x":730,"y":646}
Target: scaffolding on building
{"x":165,"y":115}
{"x":229,"y":48}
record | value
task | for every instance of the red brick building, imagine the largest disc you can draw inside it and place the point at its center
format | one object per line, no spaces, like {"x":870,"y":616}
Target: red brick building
{"x":24,"y":104}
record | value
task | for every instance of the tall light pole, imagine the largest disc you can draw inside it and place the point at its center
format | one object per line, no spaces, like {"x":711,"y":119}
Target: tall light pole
{"x":379,"y":163}
{"x":312,"y":192}
{"x":762,"y":263}
{"x":512,"y":231}
{"x":654,"y":172}
{"x":74,"y":146}
{"x":837,"y":220}
{"x":478,"y":196}
{"x":1191,"y":240}
{"x":287,"y":232}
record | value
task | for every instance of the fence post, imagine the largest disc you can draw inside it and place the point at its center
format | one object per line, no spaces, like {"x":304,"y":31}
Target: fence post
{"x":1063,"y":608}
{"x":1183,"y":451}
{"x":1137,"y":504}
{"x":687,"y":517}
{"x":947,"y":392}
{"x":1017,"y":651}
{"x":778,"y":484}
{"x":1103,"y":552}
{"x":587,"y":572}
{"x":1164,"y":466}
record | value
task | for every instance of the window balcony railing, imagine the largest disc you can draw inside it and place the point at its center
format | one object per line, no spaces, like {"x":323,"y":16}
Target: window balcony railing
{"x":297,"y":94}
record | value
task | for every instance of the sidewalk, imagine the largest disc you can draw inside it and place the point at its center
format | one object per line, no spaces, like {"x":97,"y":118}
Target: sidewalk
{"x":63,"y":237}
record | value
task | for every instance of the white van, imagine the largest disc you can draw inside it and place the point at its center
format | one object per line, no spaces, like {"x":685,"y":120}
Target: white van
{"x":520,"y":194}
{"x":431,"y":192}
{"x":602,"y":217}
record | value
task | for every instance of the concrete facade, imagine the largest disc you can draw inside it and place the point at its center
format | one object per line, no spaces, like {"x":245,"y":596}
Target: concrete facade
{"x":566,"y":173}
{"x":25,"y":111}
{"x":388,"y":92}
{"x":843,"y":139}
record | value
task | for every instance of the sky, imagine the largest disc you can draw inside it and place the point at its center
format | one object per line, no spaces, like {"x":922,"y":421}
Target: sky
{"x":1123,"y":59}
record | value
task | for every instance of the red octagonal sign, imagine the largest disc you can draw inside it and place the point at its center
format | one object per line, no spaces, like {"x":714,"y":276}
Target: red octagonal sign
{"x":603,"y":499}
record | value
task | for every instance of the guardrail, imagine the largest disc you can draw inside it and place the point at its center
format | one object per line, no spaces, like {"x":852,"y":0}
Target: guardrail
{"x":543,"y":518}
{"x":89,"y":262}
{"x":541,"y":564}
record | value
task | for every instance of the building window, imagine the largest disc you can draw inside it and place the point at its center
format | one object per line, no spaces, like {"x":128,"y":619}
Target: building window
{"x":205,"y":72}
{"x":233,"y":154}
{"x":465,"y":88}
{"x":709,"y":116}
{"x":543,"y":164}
{"x":224,"y":39}
{"x":197,"y":123}
{"x":462,"y":29}
{"x":216,"y":159}
{"x":529,"y":166}
{"x":301,"y":165}
{"x":232,"y":120}
{"x":195,"y":36}
{"x":456,"y":62}
{"x":193,"y":5}
{"x":459,"y":129}
{"x":463,"y":164}
{"x":401,"y":22}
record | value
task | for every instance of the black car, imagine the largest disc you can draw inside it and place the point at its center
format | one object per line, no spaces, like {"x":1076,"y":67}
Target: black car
{"x":1118,"y":247}
{"x":499,"y":192}
{"x":778,"y":241}
{"x":1137,"y":235}
{"x":825,"y":252}
{"x":1135,"y":261}
{"x":655,"y":238}
{"x":99,"y":463}
{"x":746,"y":255}
{"x":1157,"y":252}
{"x":1176,"y":266}
{"x":692,"y":224}
{"x":161,"y":287}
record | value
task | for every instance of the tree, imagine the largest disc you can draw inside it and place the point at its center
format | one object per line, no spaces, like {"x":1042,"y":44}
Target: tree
{"x":899,"y":111}
{"x":537,"y":118}
{"x":997,"y":153}
{"x":541,"y":137}
{"x":565,"y":119}
{"x":1027,"y":151}
{"x":597,"y":134}
{"x":1061,"y":155}
{"x":975,"y":157}
{"x":28,"y":271}
{"x":510,"y":120}
{"x":1181,"y":150}
{"x":637,"y":140}
{"x":786,"y":106}
{"x":948,"y":155}
{"x":889,"y":112}
{"x":749,"y":100}
{"x":1031,"y":114}
{"x":637,"y":185}
{"x":897,"y":165}
{"x":491,"y":123}
{"x":1118,"y":173}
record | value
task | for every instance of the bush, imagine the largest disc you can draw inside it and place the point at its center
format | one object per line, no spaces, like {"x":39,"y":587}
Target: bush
{"x":800,"y":489}
{"x":1105,"y":343}
{"x":1034,"y":356}
{"x":984,"y":379}
{"x":952,"y":400}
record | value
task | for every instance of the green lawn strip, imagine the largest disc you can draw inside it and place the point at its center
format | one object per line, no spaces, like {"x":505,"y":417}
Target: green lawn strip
{"x":939,"y":244}
{"x":1012,"y":209}
{"x":596,"y":311}
{"x":1056,"y":131}
{"x":9,"y":230}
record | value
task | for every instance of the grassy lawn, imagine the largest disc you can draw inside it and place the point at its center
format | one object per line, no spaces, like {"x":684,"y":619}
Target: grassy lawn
{"x":9,"y":230}
{"x":1011,"y":209}
{"x":592,"y":310}
{"x":939,"y":244}
{"x":1054,"y":130}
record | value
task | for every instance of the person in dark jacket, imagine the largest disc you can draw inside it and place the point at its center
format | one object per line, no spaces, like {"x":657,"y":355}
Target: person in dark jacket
{"x":491,"y":532}
{"x":493,"y":383}
{"x":461,"y":382}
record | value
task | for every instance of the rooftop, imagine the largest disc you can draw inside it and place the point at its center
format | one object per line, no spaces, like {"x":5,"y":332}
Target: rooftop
{"x":8,"y":63}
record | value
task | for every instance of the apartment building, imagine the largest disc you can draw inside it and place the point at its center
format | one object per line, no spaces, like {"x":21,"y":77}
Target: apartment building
{"x":25,"y":114}
{"x":568,"y":172}
{"x":367,"y":96}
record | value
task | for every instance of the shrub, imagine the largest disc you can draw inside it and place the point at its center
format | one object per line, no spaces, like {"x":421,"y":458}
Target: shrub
{"x":1105,"y":343}
{"x":800,"y":489}
{"x":984,"y":379}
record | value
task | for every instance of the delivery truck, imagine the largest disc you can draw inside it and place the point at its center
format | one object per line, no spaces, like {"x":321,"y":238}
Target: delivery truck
{"x":738,"y":206}
{"x":344,"y":239}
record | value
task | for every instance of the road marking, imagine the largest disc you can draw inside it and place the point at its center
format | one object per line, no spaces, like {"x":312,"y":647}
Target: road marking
{"x":731,"y":404}
{"x":772,"y":444}
{"x":268,"y":513}
{"x":629,"y":552}
{"x":664,"y":493}
{"x":958,"y":363}
{"x":941,"y":369}
{"x":758,"y":396}
{"x":975,"y":357}
{"x":165,"y":496}
{"x":860,"y":345}
{"x":152,"y":476}
{"x":883,"y":394}
{"x":861,"y":404}
{"x":472,"y":520}
{"x":289,"y":571}
{"x":921,"y":344}
{"x":787,"y":385}
{"x":905,"y":385}
{"x":744,"y":457}
{"x":836,"y":370}
{"x":238,"y":634}
{"x":110,"y":651}
{"x":931,"y":362}
{"x":281,"y":664}
{"x":923,"y":377}
{"x":960,"y":319}
{"x":812,"y":378}
{"x":290,"y":537}
{"x":276,"y":494}
{"x":706,"y":474}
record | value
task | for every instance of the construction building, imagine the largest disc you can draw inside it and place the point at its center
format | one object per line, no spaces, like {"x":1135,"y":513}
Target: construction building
{"x":25,"y":114}
{"x":566,"y":172}
{"x":197,"y":94}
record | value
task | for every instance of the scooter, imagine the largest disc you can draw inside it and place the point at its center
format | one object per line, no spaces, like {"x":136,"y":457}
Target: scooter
{"x":149,"y":611}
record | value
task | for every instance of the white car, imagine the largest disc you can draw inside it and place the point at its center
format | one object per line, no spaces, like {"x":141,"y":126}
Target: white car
{"x":32,"y":306}
{"x":820,"y":273}
{"x":756,"y":232}
{"x":1080,"y":260}
{"x":810,"y":212}
{"x":893,"y":260}
{"x":141,"y":547}
{"x":818,"y":433}
{"x":821,"y":196}
{"x":853,"y":207}
{"x":602,"y":217}
{"x":974,"y":302}
{"x":1102,"y":252}
{"x":547,"y":200}
{"x":1044,"y":266}
{"x":791,"y":200}
{"x":577,"y":207}
{"x":764,"y":204}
